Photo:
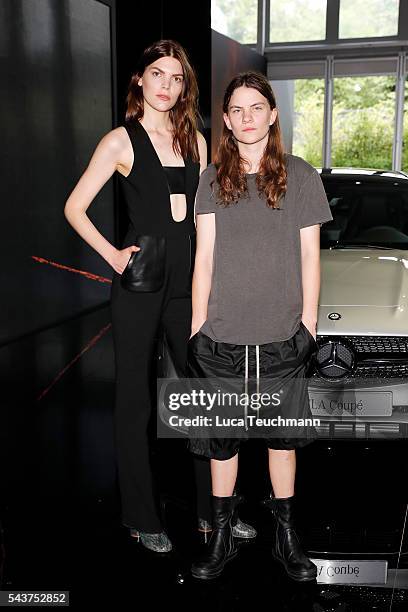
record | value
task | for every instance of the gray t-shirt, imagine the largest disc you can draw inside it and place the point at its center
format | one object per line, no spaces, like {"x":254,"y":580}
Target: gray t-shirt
{"x":256,"y":291}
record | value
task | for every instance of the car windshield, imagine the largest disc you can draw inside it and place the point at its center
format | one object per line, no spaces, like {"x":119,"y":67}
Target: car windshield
{"x":372,"y":213}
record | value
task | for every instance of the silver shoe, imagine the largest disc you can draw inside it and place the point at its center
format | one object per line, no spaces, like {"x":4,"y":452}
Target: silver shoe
{"x":243,"y":530}
{"x":240,"y":530}
{"x":158,"y":542}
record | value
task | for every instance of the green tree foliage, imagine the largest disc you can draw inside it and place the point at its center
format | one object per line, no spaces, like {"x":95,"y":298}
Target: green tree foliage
{"x":308,"y":120}
{"x":363,"y":121}
{"x":405,"y":139}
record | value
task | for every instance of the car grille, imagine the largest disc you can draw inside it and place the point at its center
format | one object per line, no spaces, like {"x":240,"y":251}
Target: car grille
{"x":379,"y":344}
{"x":395,"y":370}
{"x":366,"y":356}
{"x":345,"y":539}
{"x":338,"y":430}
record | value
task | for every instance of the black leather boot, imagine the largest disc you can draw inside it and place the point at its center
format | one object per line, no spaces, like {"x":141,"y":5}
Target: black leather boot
{"x":287,"y":548}
{"x":222,"y":546}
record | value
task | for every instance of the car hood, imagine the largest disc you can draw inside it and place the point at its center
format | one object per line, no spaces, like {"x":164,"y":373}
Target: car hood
{"x":368,"y":288}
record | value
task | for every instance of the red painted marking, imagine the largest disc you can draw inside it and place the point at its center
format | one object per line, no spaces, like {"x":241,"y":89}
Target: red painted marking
{"x":88,"y":346}
{"x":89,"y":275}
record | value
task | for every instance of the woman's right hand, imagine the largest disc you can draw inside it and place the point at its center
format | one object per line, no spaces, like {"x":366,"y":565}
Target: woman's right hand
{"x":121,"y":258}
{"x":196,"y":326}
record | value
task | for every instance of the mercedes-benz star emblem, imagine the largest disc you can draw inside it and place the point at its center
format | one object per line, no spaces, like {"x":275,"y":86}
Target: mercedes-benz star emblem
{"x":335,"y":360}
{"x":334,"y":316}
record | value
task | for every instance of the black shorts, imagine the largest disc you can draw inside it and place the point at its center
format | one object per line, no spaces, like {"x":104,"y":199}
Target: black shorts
{"x":288,"y":360}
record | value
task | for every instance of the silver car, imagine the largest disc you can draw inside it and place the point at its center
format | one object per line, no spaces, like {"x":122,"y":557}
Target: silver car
{"x":359,"y":382}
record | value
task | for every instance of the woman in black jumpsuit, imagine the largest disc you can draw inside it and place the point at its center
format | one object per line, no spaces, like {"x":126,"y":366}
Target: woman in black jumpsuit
{"x":137,"y":317}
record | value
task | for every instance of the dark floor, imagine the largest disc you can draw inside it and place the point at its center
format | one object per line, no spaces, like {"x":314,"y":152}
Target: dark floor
{"x":60,"y":512}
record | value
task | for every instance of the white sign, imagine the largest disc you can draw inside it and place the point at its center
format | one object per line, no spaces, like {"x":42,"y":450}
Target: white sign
{"x":332,"y":571}
{"x":350,"y":403}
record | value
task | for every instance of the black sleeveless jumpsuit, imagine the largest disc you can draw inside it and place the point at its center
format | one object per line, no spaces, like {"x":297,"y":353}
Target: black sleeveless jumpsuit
{"x":137,"y":317}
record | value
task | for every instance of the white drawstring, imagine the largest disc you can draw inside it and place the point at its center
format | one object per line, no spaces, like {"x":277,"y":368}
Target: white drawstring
{"x":247,"y":377}
{"x":257,"y":369}
{"x":246,"y":386}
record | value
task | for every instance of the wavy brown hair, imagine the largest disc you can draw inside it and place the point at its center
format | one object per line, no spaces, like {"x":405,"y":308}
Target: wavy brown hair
{"x":271,"y":178}
{"x":184,"y":113}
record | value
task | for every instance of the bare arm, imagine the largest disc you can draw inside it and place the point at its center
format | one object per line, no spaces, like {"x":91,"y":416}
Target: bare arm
{"x":111,"y":154}
{"x":201,"y":282}
{"x":202,"y":269}
{"x":202,"y":150}
{"x":310,"y":253}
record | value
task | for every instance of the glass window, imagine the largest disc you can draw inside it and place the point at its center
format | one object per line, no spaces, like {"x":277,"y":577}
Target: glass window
{"x":404,"y":165}
{"x":363,"y":121}
{"x":308,"y":120}
{"x":366,"y":209}
{"x":301,"y":109}
{"x":365,"y":18}
{"x":237,"y":19}
{"x":297,"y":20}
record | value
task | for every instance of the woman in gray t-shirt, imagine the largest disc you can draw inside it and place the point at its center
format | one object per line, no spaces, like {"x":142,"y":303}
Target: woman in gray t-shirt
{"x":255,"y":296}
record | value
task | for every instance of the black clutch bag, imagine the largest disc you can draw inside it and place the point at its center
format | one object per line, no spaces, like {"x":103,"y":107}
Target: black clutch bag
{"x":145,"y":269}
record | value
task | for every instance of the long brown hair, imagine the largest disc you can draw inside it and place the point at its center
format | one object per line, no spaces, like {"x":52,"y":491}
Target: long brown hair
{"x":185,"y":112}
{"x":272,"y":175}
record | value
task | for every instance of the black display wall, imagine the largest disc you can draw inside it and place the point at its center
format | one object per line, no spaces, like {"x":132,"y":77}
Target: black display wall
{"x":56,"y":104}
